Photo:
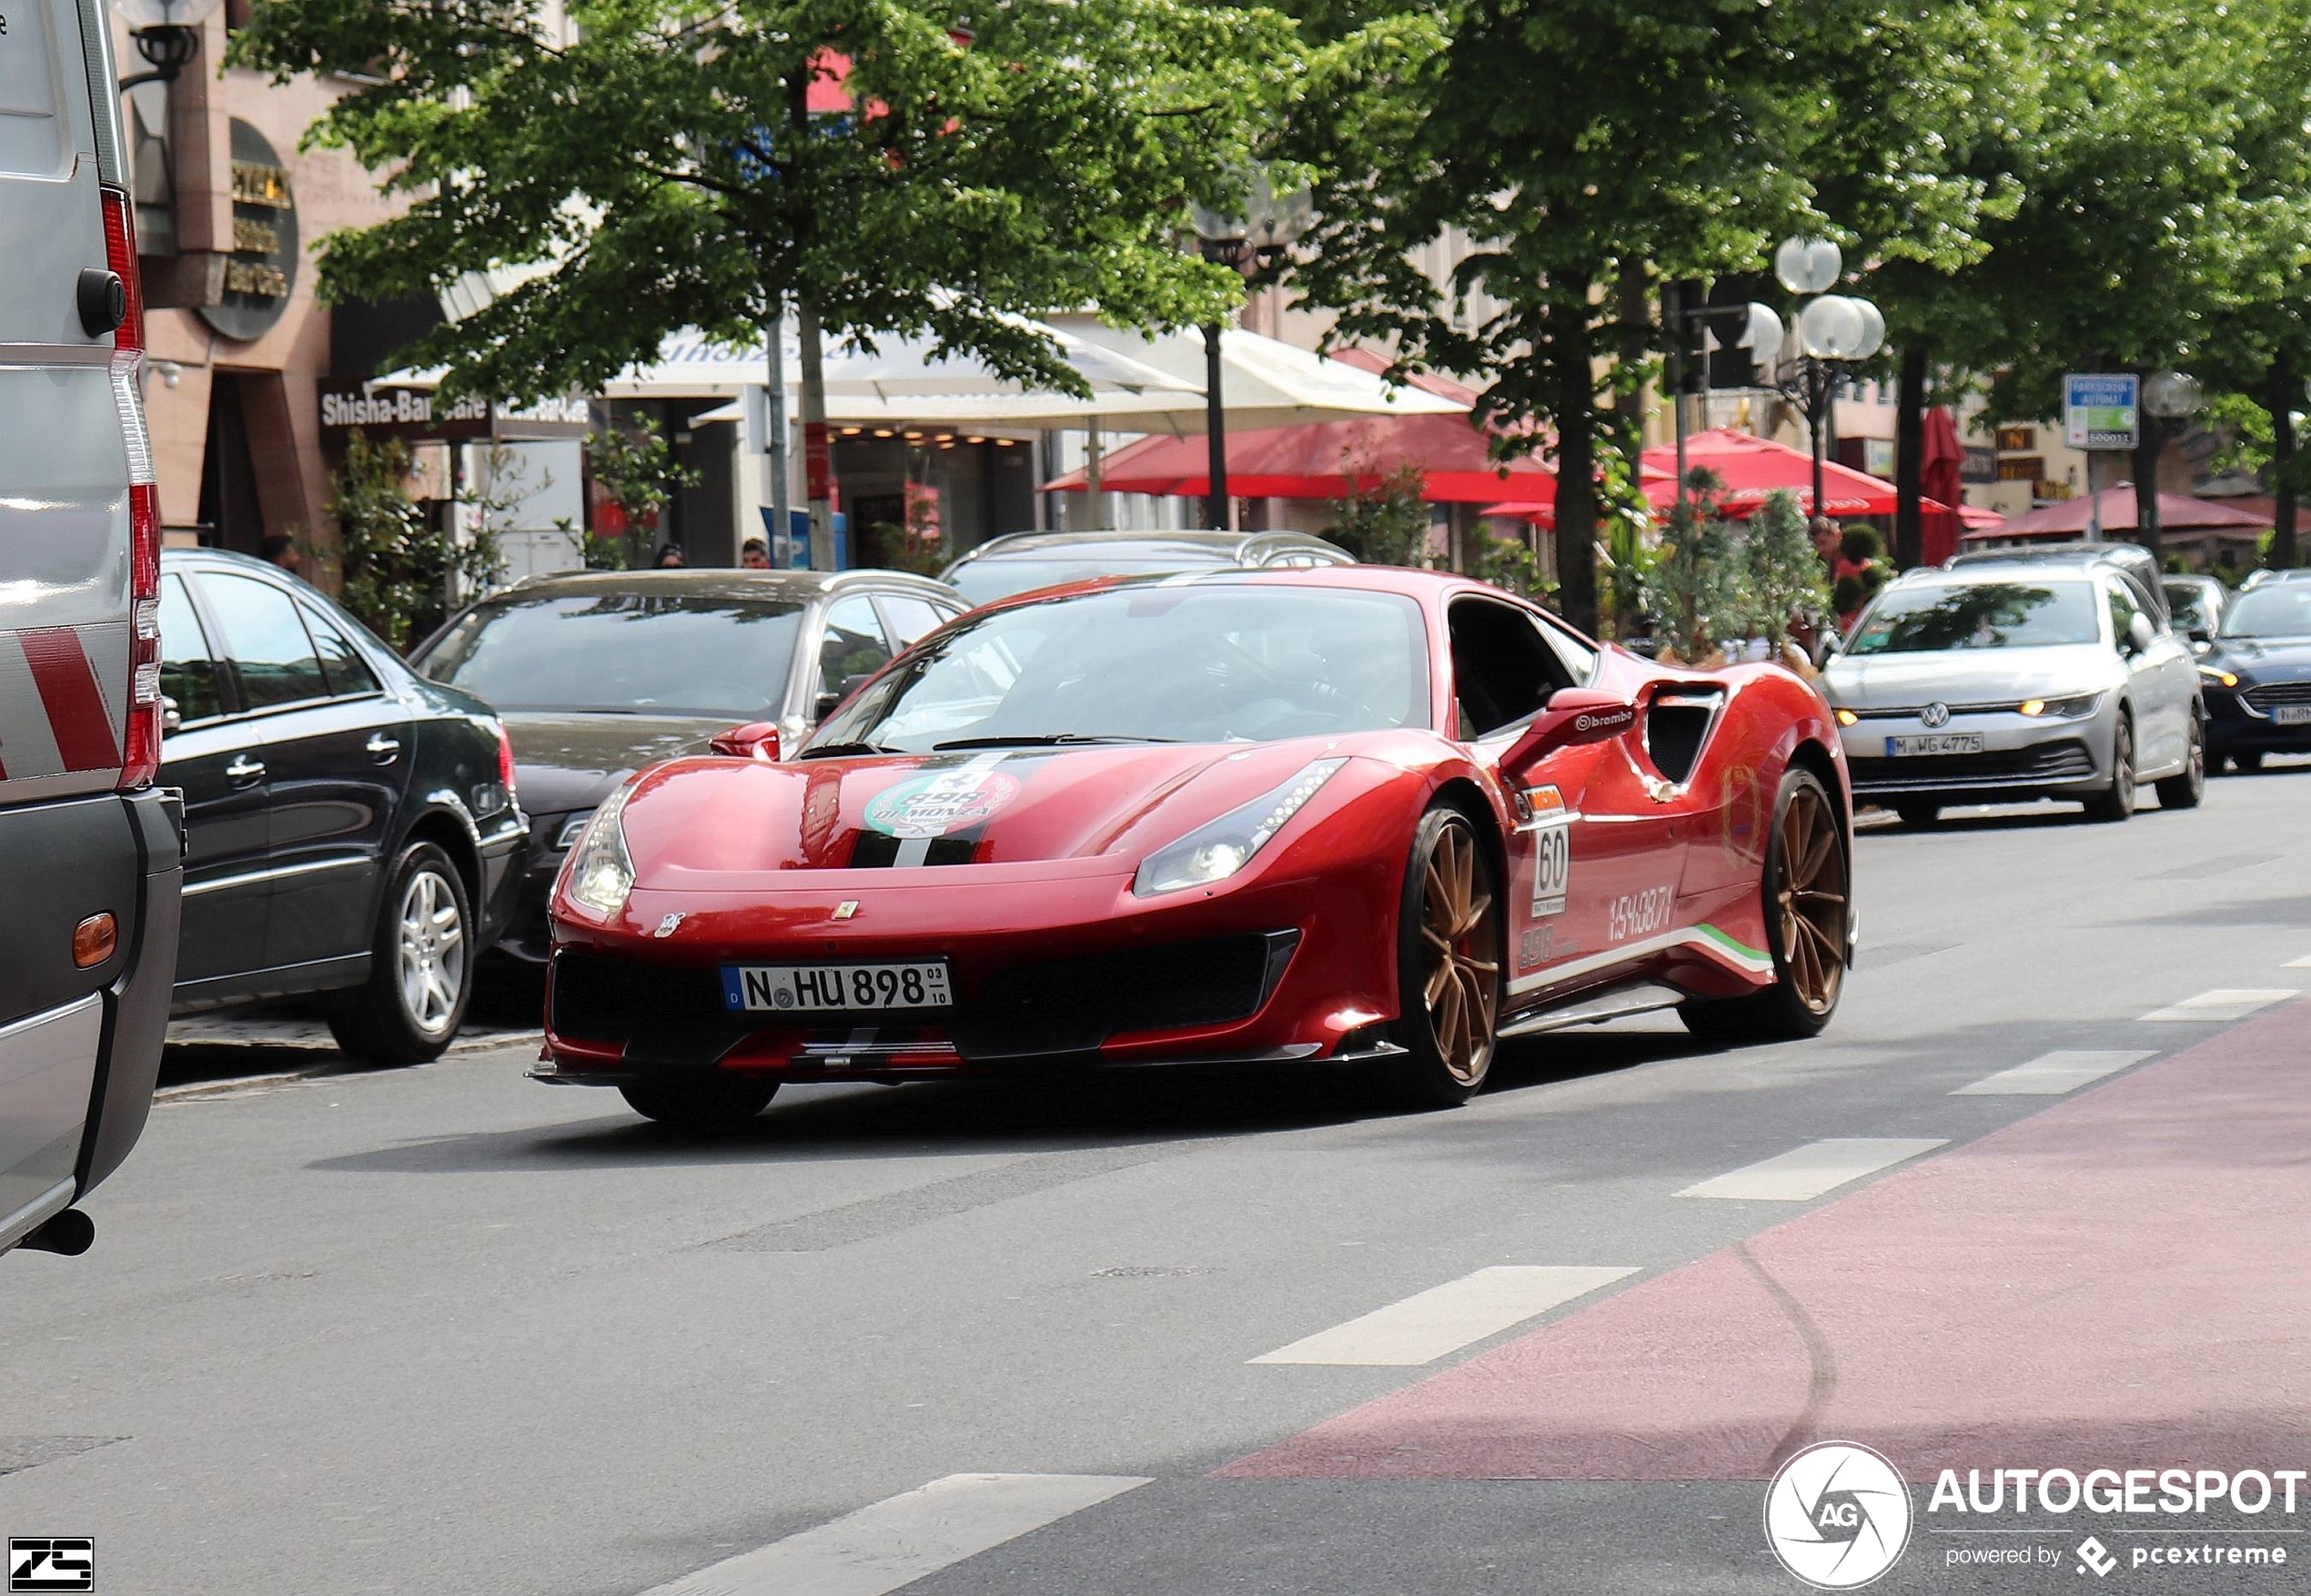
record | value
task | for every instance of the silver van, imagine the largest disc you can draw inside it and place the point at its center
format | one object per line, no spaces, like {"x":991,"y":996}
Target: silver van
{"x":90,"y":866}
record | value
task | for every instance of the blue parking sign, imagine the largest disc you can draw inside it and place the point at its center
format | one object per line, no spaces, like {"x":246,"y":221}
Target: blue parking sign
{"x":2100,"y":410}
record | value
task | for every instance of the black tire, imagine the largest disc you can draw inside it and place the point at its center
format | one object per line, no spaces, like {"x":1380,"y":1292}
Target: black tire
{"x":720,"y":1107}
{"x":2248,"y":761}
{"x":1785,"y":1012}
{"x":1449,"y":1042}
{"x":2116,"y":801}
{"x":1920,"y":815}
{"x":390,"y":1021}
{"x":2185,"y":791}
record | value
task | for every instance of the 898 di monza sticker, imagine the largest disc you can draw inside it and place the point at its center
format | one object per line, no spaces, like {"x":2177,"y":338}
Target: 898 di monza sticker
{"x":934,"y":806}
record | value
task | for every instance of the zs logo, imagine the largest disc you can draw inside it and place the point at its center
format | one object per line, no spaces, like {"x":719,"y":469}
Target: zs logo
{"x":51,"y":1564}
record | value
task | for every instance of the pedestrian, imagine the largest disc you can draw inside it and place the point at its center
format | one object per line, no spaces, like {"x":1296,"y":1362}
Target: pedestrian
{"x":669,"y":557}
{"x":755,"y":555}
{"x":1824,"y":532}
{"x":280,"y":549}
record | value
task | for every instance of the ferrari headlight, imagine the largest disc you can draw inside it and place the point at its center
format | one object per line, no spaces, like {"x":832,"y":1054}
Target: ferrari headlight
{"x":601,"y":872}
{"x":2216,"y":673}
{"x":2076,"y":708}
{"x":1217,"y":850}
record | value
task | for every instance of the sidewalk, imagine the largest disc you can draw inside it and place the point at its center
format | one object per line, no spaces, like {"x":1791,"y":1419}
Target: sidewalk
{"x":2118,"y":1278}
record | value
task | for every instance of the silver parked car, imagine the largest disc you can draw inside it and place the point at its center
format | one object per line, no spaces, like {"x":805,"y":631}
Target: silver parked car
{"x":1021,"y":561}
{"x":2034,"y":679}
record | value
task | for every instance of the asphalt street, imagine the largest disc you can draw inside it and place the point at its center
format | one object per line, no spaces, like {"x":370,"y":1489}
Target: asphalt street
{"x":446,"y":1329}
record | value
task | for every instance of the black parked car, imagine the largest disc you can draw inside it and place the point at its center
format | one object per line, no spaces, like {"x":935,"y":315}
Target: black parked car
{"x":599,"y":673}
{"x":2256,"y":679}
{"x":350,"y":827}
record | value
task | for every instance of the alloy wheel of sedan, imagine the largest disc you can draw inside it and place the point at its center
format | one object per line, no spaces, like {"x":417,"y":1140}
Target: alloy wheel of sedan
{"x":1812,"y":899}
{"x":433,"y":953}
{"x":1462,"y":940}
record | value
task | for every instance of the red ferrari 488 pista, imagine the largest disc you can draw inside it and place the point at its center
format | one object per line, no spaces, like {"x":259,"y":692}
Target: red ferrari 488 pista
{"x":1359,"y":817}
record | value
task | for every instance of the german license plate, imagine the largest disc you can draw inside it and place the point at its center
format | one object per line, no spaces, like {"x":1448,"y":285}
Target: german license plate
{"x":1933,"y":743}
{"x":2292,"y":715}
{"x":835,"y":988}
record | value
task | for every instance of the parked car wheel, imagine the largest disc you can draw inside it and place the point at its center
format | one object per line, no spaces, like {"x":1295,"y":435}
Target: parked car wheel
{"x":421,"y":965}
{"x":1448,"y":961}
{"x":1806,"y":888}
{"x":2185,"y":790}
{"x":2248,"y":761}
{"x":1918,"y":814}
{"x":716,"y":1106}
{"x":2116,"y":801}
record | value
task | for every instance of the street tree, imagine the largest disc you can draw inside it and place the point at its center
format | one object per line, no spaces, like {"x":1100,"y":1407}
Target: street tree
{"x":871,"y":165}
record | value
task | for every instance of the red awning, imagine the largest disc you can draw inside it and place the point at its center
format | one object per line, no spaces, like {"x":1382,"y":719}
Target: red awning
{"x":1326,"y":460}
{"x":2069,"y":518}
{"x":1755,"y":468}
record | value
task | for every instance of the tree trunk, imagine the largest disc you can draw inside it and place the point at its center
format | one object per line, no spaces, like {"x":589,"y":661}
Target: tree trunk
{"x":2150,"y":442}
{"x":2283,"y":391}
{"x":1575,"y":460}
{"x":1635,"y":313}
{"x":1909,"y":464}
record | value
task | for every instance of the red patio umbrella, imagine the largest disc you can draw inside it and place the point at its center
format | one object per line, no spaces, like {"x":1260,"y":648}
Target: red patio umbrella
{"x":1754,"y":468}
{"x":1941,"y":477}
{"x":1326,"y":459}
{"x":2069,"y":518}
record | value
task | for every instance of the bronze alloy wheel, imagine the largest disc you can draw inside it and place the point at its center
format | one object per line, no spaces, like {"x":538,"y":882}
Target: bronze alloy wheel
{"x":1460,"y":943}
{"x":1811,"y":898}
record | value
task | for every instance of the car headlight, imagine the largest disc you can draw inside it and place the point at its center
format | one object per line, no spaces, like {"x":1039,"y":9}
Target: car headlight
{"x":601,"y":872}
{"x":2216,"y":673}
{"x":1215,"y":852}
{"x":2076,"y":708}
{"x":1846,"y":717}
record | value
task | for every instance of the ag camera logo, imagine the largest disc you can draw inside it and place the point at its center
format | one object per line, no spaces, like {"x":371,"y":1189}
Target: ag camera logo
{"x":1837,"y":1515}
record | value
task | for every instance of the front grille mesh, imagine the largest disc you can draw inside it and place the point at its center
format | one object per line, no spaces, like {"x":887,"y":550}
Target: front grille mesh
{"x":2049,"y":761}
{"x":2271,"y":695}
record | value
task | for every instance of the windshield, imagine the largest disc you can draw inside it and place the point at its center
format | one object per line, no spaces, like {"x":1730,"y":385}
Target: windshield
{"x":637,"y":653}
{"x":1201,"y":664}
{"x":1978,"y":615}
{"x":982,"y":582}
{"x":2274,"y":610}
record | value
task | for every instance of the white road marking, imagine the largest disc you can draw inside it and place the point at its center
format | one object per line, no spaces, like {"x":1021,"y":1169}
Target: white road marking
{"x":1807,"y":1172}
{"x":1444,"y":1318}
{"x":2302,"y":963}
{"x":2051,"y":1075}
{"x":2224,"y":1003}
{"x":903,"y":1539}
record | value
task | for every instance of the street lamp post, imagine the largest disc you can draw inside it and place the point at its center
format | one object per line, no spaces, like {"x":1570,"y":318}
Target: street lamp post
{"x":1834,"y":333}
{"x":1250,"y":244}
{"x":2167,"y":398}
{"x":166,"y":35}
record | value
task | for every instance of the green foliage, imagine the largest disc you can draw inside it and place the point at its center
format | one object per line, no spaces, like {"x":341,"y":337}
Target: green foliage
{"x":1782,"y":577}
{"x":636,"y":472}
{"x":1384,"y":522}
{"x":1860,"y":544}
{"x":656,"y":161}
{"x":1508,"y":563}
{"x":402,"y":573}
{"x":1695,"y":586}
{"x":920,"y":546}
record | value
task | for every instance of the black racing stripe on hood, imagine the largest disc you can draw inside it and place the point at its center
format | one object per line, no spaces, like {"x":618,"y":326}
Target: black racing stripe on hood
{"x":876,"y":850}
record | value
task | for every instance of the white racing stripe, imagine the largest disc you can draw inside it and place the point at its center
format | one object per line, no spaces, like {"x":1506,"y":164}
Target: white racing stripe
{"x":1807,"y":1172}
{"x":904,"y":1538}
{"x":2051,"y":1075}
{"x":1444,"y":1318}
{"x":2223,"y":1004}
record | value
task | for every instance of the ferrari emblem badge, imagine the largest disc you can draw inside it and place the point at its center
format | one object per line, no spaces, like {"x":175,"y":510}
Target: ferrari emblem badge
{"x":671,"y":925}
{"x":846,"y":908}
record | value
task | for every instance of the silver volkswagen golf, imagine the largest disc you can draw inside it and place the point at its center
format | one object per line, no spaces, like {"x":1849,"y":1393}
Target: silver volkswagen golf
{"x":2001,"y":682}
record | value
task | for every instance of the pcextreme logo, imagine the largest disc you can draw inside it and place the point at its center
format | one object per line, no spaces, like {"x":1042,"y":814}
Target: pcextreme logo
{"x":1837,"y":1515}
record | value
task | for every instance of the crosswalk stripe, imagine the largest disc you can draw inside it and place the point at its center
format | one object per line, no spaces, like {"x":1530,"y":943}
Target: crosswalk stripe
{"x":903,"y":1539}
{"x":1444,"y":1318}
{"x":2051,"y":1075}
{"x":2224,"y":1003}
{"x":1806,"y":1172}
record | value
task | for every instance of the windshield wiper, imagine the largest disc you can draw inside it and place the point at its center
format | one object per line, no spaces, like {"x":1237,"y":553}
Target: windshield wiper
{"x":837,"y":750}
{"x":1042,"y":740}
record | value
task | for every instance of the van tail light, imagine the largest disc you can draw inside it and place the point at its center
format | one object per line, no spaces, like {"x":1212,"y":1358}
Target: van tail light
{"x":140,"y":742}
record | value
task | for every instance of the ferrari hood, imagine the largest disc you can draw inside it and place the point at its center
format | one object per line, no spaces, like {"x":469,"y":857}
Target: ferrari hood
{"x":1003,"y":806}
{"x":570,"y":761}
{"x":1875,"y":682}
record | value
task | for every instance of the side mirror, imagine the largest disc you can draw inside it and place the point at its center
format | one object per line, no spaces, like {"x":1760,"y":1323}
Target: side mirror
{"x":171,"y":718}
{"x":756,"y":740}
{"x":1572,"y":715}
{"x":2200,"y":636}
{"x":2140,"y":633}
